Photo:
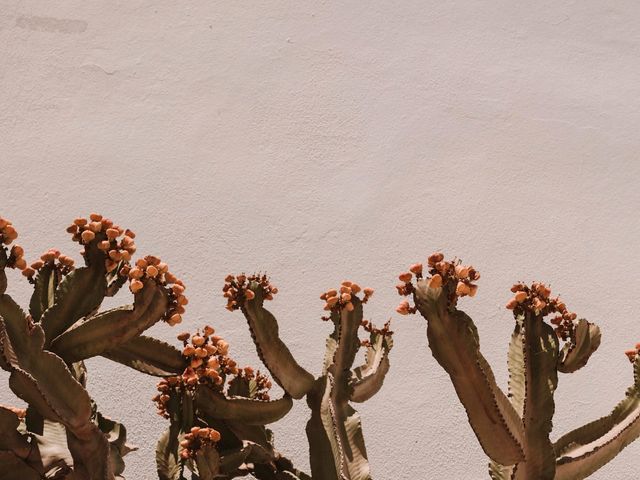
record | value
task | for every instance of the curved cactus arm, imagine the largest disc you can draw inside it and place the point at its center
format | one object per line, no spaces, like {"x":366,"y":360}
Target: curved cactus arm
{"x":588,"y":448}
{"x":208,"y":462}
{"x":148,"y":355}
{"x":275,"y":355}
{"x":454,"y":342}
{"x":251,"y":412}
{"x":575,"y":355}
{"x":80,"y":293}
{"x":370,"y":376}
{"x":91,"y":453}
{"x":107,"y":330}
{"x":43,"y":295}
{"x":14,"y":468}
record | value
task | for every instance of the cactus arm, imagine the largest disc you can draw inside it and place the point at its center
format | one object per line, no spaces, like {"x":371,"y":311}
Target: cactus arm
{"x":540,"y":353}
{"x":80,"y":293}
{"x":588,"y":448}
{"x":11,"y":439}
{"x":323,"y":449}
{"x":341,"y":418}
{"x":371,"y":375}
{"x":3,"y":275}
{"x":148,"y":355}
{"x":107,"y":330}
{"x":44,"y":289}
{"x":251,"y":412}
{"x":574,"y":356}
{"x":91,"y":453}
{"x":454,"y":342}
{"x":208,"y":461}
{"x":275,"y":355}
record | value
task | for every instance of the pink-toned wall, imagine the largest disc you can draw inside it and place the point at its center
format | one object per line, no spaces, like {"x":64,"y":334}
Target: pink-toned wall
{"x":329,"y":140}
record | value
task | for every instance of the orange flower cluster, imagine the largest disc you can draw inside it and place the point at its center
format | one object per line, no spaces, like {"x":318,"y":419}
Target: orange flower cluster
{"x":8,"y":232}
{"x":237,"y":288}
{"x":196,"y":439}
{"x":457,"y":279}
{"x":336,"y":300}
{"x":16,"y":259}
{"x":209,"y":363}
{"x":537,"y":299}
{"x":53,"y":259}
{"x":632,"y":354}
{"x":152,"y":267}
{"x":105,"y":233}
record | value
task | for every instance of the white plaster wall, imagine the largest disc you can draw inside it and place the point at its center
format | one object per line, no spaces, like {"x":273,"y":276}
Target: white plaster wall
{"x":329,"y":140}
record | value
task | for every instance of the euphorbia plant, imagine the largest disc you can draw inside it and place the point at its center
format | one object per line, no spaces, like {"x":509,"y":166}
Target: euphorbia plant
{"x":514,"y":429}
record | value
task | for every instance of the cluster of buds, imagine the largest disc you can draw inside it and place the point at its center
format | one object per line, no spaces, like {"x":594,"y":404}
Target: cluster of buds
{"x":632,"y":354}
{"x":53,"y":259}
{"x":236,"y":289}
{"x":196,"y":439}
{"x":16,"y":259}
{"x":8,"y":232}
{"x":368,"y":326}
{"x":336,"y":300}
{"x":537,"y":299}
{"x":107,"y":235}
{"x":262,"y":382}
{"x":455,"y":278}
{"x":152,"y":267}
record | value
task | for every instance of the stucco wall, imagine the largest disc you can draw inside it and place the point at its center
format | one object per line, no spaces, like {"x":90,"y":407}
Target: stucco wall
{"x":320,"y":141}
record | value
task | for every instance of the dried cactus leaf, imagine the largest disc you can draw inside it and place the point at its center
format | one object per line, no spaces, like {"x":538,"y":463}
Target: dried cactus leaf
{"x":208,"y":461}
{"x":44,"y":289}
{"x":575,"y":356}
{"x":167,"y":460}
{"x":540,"y":349}
{"x":116,"y":434}
{"x":324,"y":451}
{"x":275,"y":355}
{"x":583,"y":451}
{"x":53,"y":449}
{"x":107,"y":330}
{"x":14,"y":468}
{"x":370,"y":376}
{"x":148,"y":355}
{"x":251,"y":412}
{"x":454,"y":342}
{"x":78,"y":294}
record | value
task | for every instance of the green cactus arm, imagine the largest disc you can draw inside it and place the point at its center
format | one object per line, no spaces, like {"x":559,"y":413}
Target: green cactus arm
{"x":44,"y":289}
{"x":14,"y":468}
{"x":251,"y":412}
{"x":574,"y":356}
{"x":79,"y":294}
{"x":370,"y":376}
{"x":107,"y":330}
{"x":454,"y":342}
{"x":148,"y":355}
{"x":275,"y":355}
{"x":588,"y":448}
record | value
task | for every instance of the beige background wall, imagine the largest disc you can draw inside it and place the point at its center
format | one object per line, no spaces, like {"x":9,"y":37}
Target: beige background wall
{"x":321,"y":141}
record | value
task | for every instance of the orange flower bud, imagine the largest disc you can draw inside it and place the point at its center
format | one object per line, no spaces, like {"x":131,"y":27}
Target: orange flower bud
{"x":349,"y":307}
{"x":37,"y":265}
{"x":332,"y":293}
{"x":95,"y":226}
{"x":96,"y":217}
{"x":189,"y":351}
{"x":249,"y":294}
{"x":104,"y":245}
{"x":183,"y":336}
{"x":405,"y":277}
{"x":511,"y":304}
{"x":208,"y":330}
{"x":435,"y":258}
{"x":403,"y":308}
{"x":87,"y":236}
{"x":152,"y":271}
{"x":28,"y":272}
{"x":462,"y":272}
{"x":520,"y":296}
{"x":473,"y":289}
{"x":368,"y":291}
{"x":112,"y":233}
{"x":462,"y":289}
{"x":355,"y":288}
{"x":136,"y":286}
{"x":214,"y":435}
{"x":198,"y":340}
{"x":345,"y":297}
{"x":435,"y":281}
{"x":21,"y":263}
{"x":416,"y":268}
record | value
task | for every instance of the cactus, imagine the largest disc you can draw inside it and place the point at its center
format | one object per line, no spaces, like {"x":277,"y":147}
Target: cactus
{"x":514,"y":429}
{"x":62,"y":434}
{"x":336,"y":443}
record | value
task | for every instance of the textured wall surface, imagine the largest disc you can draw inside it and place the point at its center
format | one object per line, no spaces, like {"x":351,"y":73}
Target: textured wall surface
{"x":320,"y":142}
